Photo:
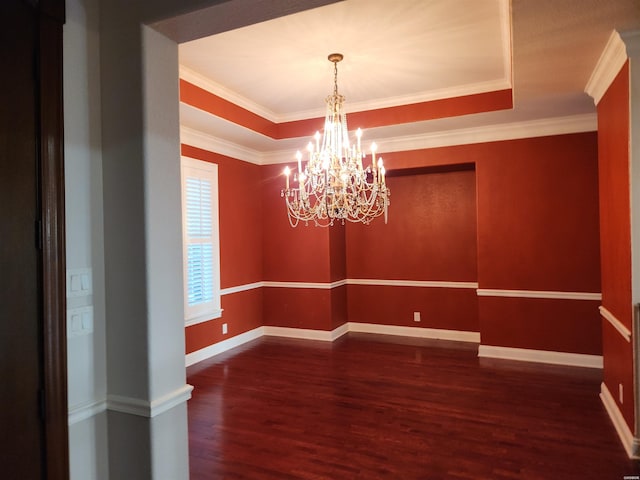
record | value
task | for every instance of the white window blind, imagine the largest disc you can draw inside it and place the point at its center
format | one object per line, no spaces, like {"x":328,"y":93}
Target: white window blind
{"x":201,"y":240}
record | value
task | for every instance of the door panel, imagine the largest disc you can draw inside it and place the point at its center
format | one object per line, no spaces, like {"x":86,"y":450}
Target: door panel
{"x":22,"y":438}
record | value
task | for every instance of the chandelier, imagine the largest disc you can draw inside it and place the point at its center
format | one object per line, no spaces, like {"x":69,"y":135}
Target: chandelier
{"x":333,"y":184}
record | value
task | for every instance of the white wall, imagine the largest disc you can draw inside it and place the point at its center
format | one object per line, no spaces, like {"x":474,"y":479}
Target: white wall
{"x":632,"y":44}
{"x":127,"y":391}
{"x":84,"y":230}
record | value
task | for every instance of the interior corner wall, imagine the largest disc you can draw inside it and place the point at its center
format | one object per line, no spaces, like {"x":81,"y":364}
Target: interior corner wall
{"x":538,"y":232}
{"x":337,"y":273}
{"x":240,"y":250}
{"x":430,"y":237}
{"x":300,"y":255}
{"x":615,"y":235}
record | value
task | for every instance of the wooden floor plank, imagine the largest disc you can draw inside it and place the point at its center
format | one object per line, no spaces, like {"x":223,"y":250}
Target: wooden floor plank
{"x":378,"y":407}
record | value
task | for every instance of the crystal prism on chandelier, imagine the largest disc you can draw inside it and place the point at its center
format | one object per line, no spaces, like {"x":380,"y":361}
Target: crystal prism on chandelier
{"x":334,"y":183}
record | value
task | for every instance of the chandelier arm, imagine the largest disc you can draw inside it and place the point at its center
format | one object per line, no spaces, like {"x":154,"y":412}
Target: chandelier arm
{"x":334,"y":185}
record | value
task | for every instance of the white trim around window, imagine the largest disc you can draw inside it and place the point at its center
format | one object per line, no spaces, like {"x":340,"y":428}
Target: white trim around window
{"x":200,"y":240}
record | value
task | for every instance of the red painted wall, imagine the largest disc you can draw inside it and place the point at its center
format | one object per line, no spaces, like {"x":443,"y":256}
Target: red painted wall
{"x":240,"y":250}
{"x":195,"y":96}
{"x":337,"y":253}
{"x":290,"y":254}
{"x":615,"y":236}
{"x":202,"y":99}
{"x":538,"y":230}
{"x":534,"y":226}
{"x":538,"y":214}
{"x":525,"y":218}
{"x":298,"y":308}
{"x":615,"y":216}
{"x":445,"y":308}
{"x":541,"y":324}
{"x":242,"y":312}
{"x":339,"y":306}
{"x":338,"y":272}
{"x":301,"y":254}
{"x":430,"y":235}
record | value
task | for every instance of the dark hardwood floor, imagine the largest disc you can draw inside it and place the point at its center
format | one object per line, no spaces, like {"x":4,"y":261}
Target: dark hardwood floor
{"x":375,"y":407}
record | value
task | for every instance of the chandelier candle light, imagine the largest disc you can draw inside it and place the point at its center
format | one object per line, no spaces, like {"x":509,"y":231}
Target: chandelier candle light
{"x":333,"y":184}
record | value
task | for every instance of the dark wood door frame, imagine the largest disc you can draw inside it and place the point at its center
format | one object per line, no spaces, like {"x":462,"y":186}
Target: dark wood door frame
{"x":51,"y":157}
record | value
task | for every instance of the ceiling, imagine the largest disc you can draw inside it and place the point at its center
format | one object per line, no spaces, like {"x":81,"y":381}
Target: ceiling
{"x":400,"y":52}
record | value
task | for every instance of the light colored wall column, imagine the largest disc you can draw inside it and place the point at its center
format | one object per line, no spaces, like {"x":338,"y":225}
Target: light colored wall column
{"x":147,"y":420}
{"x":163,"y":225}
{"x":86,"y":358}
{"x":632,"y":44}
{"x":145,"y":327}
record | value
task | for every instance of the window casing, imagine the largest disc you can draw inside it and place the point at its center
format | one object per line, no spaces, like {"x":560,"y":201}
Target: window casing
{"x":200,"y":240}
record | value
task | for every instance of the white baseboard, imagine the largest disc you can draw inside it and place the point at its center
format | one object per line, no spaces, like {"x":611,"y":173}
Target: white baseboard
{"x":223,"y":346}
{"x":306,"y":333}
{"x":329,"y":336}
{"x":340,"y":331}
{"x":631,"y":444}
{"x":522,"y":354}
{"x":435,"y":333}
{"x":541,"y":356}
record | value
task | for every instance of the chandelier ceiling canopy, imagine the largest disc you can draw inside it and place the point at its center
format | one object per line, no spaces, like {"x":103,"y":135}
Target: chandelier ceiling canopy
{"x":336,"y":182}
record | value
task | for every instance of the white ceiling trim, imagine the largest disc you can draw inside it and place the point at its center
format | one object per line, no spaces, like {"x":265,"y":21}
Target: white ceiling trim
{"x":609,"y":64}
{"x":209,"y":85}
{"x":490,"y":133}
{"x":195,"y":138}
{"x":443,"y":93}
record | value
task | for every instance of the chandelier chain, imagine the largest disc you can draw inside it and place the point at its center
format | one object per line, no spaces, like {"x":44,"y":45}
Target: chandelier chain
{"x":335,"y":78}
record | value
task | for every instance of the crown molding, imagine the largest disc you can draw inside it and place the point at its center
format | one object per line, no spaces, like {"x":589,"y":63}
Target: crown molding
{"x":389,"y":102}
{"x":489,"y":133}
{"x":196,"y":138}
{"x":209,"y":85}
{"x":492,"y":133}
{"x":609,"y":64}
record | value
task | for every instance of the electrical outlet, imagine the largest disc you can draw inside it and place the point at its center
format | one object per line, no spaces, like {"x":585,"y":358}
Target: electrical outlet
{"x":621,"y":393}
{"x":224,"y":329}
{"x":416,"y":316}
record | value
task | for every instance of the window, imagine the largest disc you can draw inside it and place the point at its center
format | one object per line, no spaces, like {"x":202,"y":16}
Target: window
{"x":200,"y":240}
